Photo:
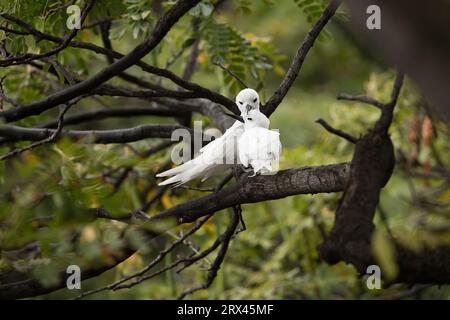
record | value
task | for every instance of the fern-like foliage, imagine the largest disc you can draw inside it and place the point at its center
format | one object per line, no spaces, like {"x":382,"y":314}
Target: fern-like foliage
{"x":314,"y":8}
{"x":311,"y":8}
{"x":229,"y":47}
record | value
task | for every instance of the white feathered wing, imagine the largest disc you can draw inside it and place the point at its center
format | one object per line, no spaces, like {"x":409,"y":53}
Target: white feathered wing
{"x":214,"y":158}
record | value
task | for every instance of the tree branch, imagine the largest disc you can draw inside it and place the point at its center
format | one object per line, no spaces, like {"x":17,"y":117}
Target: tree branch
{"x":363,"y":99}
{"x":49,"y":139}
{"x":114,"y":91}
{"x":299,"y":58}
{"x":15,"y":133}
{"x":27,"y":57}
{"x":212,"y":273}
{"x":307,"y":180}
{"x":101,"y":114}
{"x":351,"y":236}
{"x":18,"y":285}
{"x":150,"y":265}
{"x":231,"y":73}
{"x":162,"y":27}
{"x":337,"y":132}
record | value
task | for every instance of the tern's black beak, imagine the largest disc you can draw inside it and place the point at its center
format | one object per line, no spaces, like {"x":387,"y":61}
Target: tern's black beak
{"x":248,"y":107}
{"x":238,"y":118}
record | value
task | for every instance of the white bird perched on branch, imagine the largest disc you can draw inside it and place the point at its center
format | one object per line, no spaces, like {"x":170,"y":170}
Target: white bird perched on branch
{"x":258,"y":147}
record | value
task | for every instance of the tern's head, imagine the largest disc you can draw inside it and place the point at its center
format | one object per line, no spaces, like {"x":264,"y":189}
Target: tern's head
{"x":247,"y":100}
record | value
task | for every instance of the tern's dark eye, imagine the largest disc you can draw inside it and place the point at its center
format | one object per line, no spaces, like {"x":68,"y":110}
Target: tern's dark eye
{"x":254,"y":100}
{"x":240,"y":102}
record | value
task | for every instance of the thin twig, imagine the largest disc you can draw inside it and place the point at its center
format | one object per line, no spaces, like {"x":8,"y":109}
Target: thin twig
{"x":3,"y":96}
{"x":227,"y":236}
{"x":9,"y":30}
{"x":186,"y":242}
{"x":58,"y":8}
{"x":202,"y":255}
{"x":387,"y":111}
{"x":231,"y":73}
{"x":337,"y":132}
{"x":297,"y":61}
{"x":155,"y":261}
{"x":27,"y":57}
{"x":361,"y":98}
{"x":49,"y":139}
{"x":224,"y":182}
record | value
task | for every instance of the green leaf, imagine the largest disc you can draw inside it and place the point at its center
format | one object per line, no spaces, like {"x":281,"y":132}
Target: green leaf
{"x":189,"y":42}
{"x":136,"y":30}
{"x":202,"y":9}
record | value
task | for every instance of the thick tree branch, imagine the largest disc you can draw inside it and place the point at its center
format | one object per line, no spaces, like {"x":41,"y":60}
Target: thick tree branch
{"x":295,"y":181}
{"x":215,"y":113}
{"x":15,"y":133}
{"x":49,"y":139}
{"x":162,"y":27}
{"x":300,"y":56}
{"x":223,"y":240}
{"x":307,"y":180}
{"x":101,"y":114}
{"x":203,"y":106}
{"x":105,"y":27}
{"x":114,"y":91}
{"x":130,"y":59}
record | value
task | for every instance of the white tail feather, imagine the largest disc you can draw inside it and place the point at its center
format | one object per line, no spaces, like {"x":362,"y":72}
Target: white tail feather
{"x":214,"y":158}
{"x":190,"y":170}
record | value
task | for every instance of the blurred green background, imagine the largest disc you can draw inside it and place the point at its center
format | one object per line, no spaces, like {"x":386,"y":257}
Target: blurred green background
{"x":276,"y":257}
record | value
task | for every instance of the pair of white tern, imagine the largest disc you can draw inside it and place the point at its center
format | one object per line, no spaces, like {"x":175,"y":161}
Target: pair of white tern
{"x":249,"y":143}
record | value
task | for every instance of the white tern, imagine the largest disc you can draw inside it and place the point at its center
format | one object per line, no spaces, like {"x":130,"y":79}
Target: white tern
{"x":250,"y":143}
